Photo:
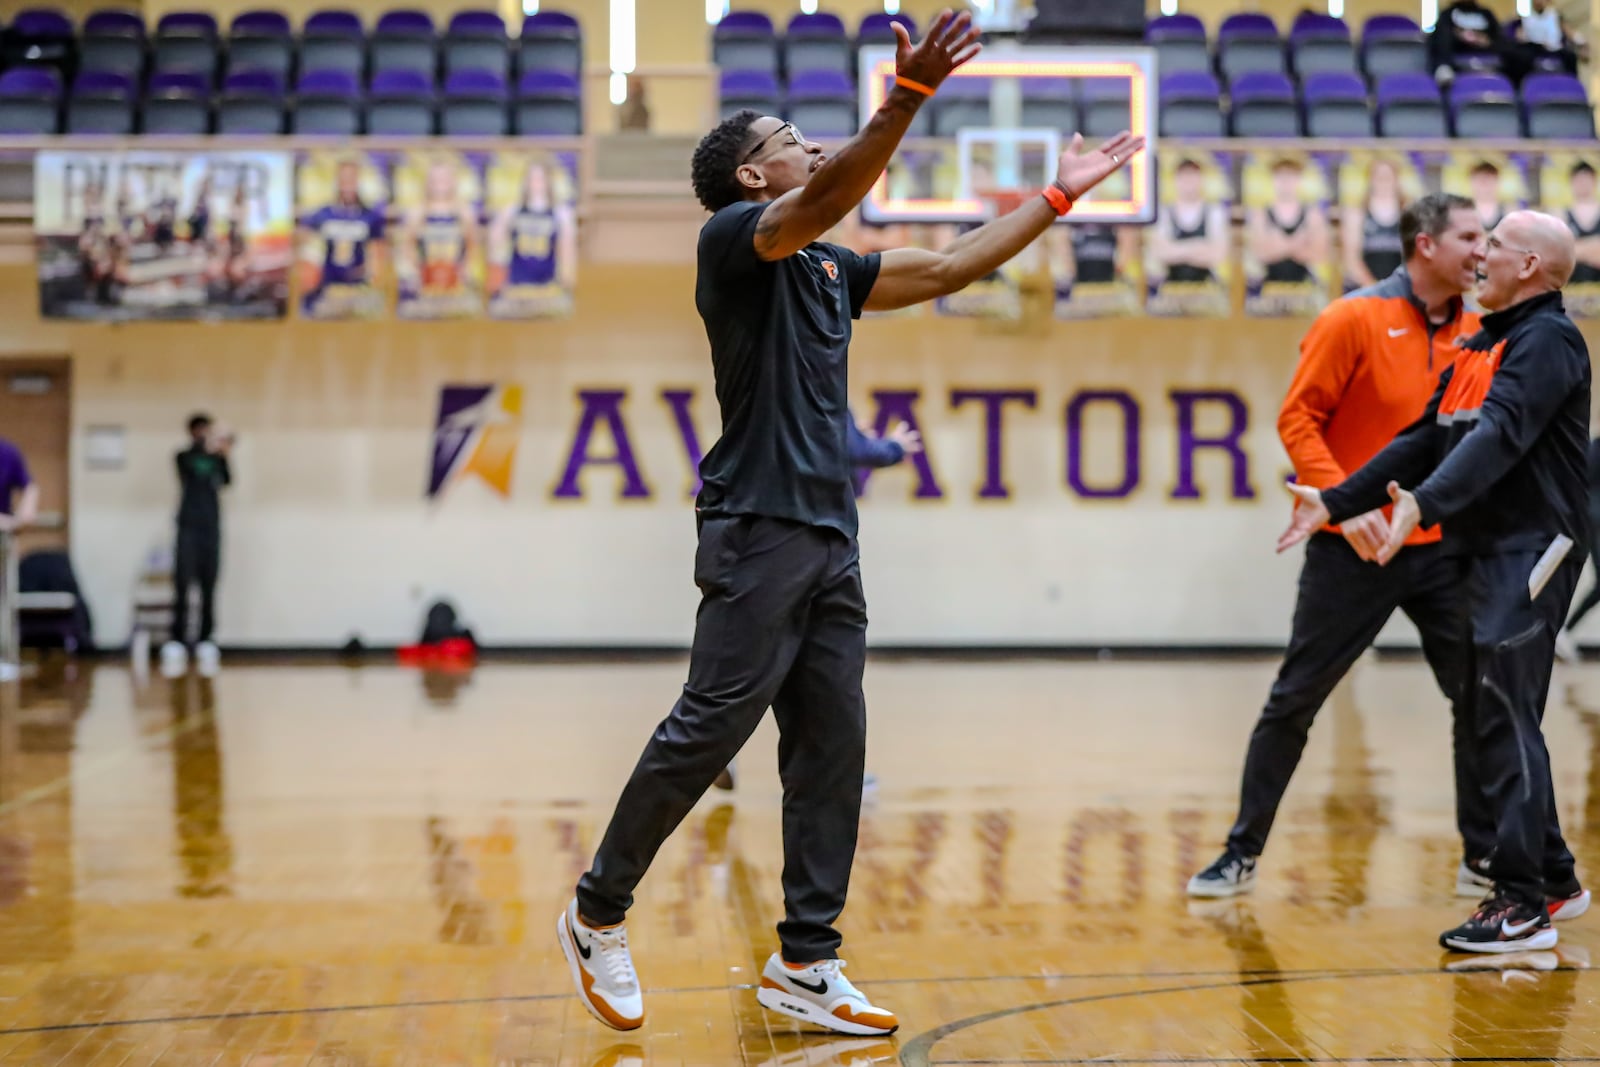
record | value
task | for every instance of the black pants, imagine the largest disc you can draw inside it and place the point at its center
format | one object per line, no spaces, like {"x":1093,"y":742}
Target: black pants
{"x":198,"y":557}
{"x":1513,"y":652}
{"x":1342,"y":605}
{"x":782,"y":623}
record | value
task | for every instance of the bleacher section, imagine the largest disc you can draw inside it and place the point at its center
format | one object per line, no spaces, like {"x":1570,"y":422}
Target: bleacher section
{"x":114,"y":75}
{"x":1250,"y":81}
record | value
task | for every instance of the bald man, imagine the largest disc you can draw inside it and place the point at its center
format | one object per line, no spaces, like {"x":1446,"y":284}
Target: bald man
{"x":1499,"y":458}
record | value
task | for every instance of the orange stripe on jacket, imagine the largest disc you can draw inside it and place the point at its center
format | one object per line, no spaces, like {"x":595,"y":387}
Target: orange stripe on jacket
{"x":1367,"y":370}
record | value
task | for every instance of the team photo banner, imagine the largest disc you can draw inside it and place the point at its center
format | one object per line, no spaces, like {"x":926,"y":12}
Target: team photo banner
{"x":127,"y":236}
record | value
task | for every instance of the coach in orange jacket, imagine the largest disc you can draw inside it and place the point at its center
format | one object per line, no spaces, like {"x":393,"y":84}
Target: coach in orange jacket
{"x":1367,"y":369}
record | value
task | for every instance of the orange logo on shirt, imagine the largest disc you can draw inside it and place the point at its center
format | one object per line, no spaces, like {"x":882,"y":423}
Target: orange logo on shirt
{"x":833,"y":271}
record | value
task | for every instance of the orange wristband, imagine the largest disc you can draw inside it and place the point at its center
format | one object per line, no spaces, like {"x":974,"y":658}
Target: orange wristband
{"x":1057,"y":198}
{"x":916,"y":87}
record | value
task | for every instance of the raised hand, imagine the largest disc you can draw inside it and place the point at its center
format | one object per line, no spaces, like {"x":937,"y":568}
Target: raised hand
{"x":1309,"y":516}
{"x":1366,"y":533}
{"x":1078,"y":172}
{"x":950,"y":42}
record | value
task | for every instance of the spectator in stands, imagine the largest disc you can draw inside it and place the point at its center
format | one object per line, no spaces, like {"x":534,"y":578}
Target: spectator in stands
{"x":1466,"y":36}
{"x":1543,"y":35}
{"x":19,"y":494}
{"x":1371,"y":229}
{"x":1583,"y":219}
{"x":202,"y":472}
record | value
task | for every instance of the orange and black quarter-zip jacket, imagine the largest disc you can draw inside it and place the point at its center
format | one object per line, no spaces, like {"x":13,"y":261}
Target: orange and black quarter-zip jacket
{"x":1500,"y":455}
{"x":1367,"y":367}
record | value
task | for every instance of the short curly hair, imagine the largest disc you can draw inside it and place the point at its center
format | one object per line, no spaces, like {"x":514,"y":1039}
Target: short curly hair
{"x":717,"y":157}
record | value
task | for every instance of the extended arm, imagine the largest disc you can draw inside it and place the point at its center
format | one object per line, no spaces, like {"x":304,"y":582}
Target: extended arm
{"x":802,"y":215}
{"x":912,"y":275}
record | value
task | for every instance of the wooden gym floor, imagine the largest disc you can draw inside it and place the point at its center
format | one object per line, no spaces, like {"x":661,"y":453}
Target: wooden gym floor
{"x":316,"y":865}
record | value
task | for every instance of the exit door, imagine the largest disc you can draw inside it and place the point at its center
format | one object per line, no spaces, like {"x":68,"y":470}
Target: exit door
{"x":36,"y":416}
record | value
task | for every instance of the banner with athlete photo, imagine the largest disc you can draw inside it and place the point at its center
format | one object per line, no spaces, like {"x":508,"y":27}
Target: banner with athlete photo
{"x":1095,"y":267}
{"x":1497,"y":183}
{"x":1288,"y":257}
{"x":436,"y":232}
{"x":342,"y":202}
{"x":531,"y":234}
{"x":1188,"y":258}
{"x":1567,"y":190}
{"x":129,"y":236}
{"x":1374,"y":188}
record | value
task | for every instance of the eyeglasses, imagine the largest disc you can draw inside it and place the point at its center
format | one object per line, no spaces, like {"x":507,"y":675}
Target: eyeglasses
{"x":796,"y":138}
{"x":1495,"y":242}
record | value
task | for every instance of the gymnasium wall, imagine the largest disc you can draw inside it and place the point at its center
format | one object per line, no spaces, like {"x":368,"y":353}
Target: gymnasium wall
{"x":1087,"y":483}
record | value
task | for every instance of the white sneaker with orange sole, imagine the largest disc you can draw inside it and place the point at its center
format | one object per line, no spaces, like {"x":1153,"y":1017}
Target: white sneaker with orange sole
{"x":1564,"y":908}
{"x":818,"y":993}
{"x":602,"y":970}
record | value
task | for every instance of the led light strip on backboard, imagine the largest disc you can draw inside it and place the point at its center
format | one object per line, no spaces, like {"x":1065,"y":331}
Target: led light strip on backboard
{"x":1135,"y":64}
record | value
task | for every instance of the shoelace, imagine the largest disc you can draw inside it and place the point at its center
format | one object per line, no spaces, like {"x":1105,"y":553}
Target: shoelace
{"x":613,"y":948}
{"x":1494,"y":909}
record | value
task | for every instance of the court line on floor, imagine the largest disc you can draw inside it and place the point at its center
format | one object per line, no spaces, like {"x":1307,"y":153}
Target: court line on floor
{"x":1273,"y":977}
{"x":918,"y":1051}
{"x":56,"y":785}
{"x":1267,"y":1059}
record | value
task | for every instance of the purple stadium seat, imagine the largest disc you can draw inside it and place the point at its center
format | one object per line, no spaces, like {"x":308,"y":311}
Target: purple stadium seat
{"x":1191,"y":104}
{"x":1248,"y":25}
{"x":823,"y":103}
{"x":41,"y":23}
{"x":23,"y":82}
{"x":400,"y":103}
{"x":101,"y":102}
{"x":478,"y":23}
{"x":327,"y":83}
{"x":405,"y":22}
{"x":30,"y":101}
{"x":1180,"y":43}
{"x":878,"y":28}
{"x":187,"y":24}
{"x":1335,"y":105}
{"x":261,"y":40}
{"x":1392,"y":44}
{"x":333,"y":23}
{"x":817,"y":42}
{"x":1556,"y":106}
{"x":550,"y":23}
{"x":399,"y":85}
{"x":474,"y":83}
{"x":1246,"y":42}
{"x":178,"y":83}
{"x":547,"y":104}
{"x":261,"y":24}
{"x":819,"y":24}
{"x":474,"y":105}
{"x":1174,"y":27}
{"x":1484,"y":105}
{"x":114,"y":22}
{"x":253,"y":83}
{"x":1409,"y":106}
{"x":745,"y":40}
{"x":753,"y":89}
{"x":551,"y":40}
{"x":1264,"y":105}
{"x":328,"y":102}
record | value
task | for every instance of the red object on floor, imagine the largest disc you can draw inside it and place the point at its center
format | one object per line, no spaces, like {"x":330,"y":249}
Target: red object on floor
{"x":452,"y":652}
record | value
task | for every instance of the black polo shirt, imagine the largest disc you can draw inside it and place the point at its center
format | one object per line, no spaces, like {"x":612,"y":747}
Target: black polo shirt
{"x":779,"y":336}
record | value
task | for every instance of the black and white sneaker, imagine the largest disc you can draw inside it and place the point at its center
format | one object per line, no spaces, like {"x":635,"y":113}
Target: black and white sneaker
{"x":1231,"y":875}
{"x":1502,"y":924}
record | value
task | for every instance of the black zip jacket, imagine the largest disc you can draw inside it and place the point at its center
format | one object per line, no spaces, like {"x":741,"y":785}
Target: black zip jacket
{"x":1500,"y":454}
